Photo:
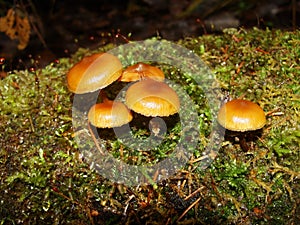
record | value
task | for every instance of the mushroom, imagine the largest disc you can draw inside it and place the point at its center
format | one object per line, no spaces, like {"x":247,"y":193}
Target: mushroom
{"x":94,"y":72}
{"x":241,"y":116}
{"x":141,"y":70}
{"x":109,"y":114}
{"x":152,"y":98}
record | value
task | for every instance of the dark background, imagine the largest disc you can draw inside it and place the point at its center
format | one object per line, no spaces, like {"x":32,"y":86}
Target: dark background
{"x":59,"y":28}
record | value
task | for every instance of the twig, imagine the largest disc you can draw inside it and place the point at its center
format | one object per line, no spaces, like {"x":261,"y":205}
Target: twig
{"x":94,"y":139}
{"x":192,"y":194}
{"x":188,"y":209}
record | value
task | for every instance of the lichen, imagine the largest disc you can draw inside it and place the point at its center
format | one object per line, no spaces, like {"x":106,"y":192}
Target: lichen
{"x":45,"y":178}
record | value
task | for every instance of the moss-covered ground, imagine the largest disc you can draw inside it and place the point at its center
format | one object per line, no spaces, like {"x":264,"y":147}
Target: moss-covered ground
{"x":45,"y":178}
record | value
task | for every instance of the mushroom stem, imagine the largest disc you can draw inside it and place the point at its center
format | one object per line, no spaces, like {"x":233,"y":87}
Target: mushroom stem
{"x":104,"y":97}
{"x":243,"y":143}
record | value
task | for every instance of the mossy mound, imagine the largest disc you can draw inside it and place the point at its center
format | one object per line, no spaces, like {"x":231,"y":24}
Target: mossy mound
{"x":46,"y":180}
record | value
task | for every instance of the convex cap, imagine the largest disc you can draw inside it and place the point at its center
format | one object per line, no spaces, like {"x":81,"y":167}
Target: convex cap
{"x":152,"y":98}
{"x":109,"y":114}
{"x":93,"y":73}
{"x":141,"y":70}
{"x":241,"y":115}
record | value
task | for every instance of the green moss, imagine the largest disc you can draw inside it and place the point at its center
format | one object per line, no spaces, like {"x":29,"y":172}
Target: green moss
{"x":45,"y":179}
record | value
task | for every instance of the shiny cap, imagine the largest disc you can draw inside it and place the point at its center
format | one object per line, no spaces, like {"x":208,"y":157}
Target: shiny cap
{"x":241,"y":115}
{"x":152,"y":98}
{"x":141,"y":70}
{"x":93,"y":73}
{"x":109,"y":114}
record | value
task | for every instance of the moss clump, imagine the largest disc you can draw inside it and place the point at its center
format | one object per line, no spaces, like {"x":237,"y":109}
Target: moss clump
{"x":45,"y":178}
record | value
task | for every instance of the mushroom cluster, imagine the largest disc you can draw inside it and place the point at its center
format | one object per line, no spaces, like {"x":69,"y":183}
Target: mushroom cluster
{"x":149,"y":95}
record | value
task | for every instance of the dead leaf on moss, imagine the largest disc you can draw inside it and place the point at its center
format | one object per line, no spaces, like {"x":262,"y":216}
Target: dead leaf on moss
{"x":16,"y":27}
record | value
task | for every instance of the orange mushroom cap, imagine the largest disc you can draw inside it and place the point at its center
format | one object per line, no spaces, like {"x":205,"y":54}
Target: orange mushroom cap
{"x":109,"y":114}
{"x":152,"y":98}
{"x":241,"y":115}
{"x":93,"y":73}
{"x":141,"y":70}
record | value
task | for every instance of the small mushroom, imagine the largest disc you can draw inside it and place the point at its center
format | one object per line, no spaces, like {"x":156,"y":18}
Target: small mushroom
{"x":241,"y":116}
{"x":94,"y":72}
{"x":152,"y":98}
{"x":109,"y":114}
{"x":141,"y":70}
